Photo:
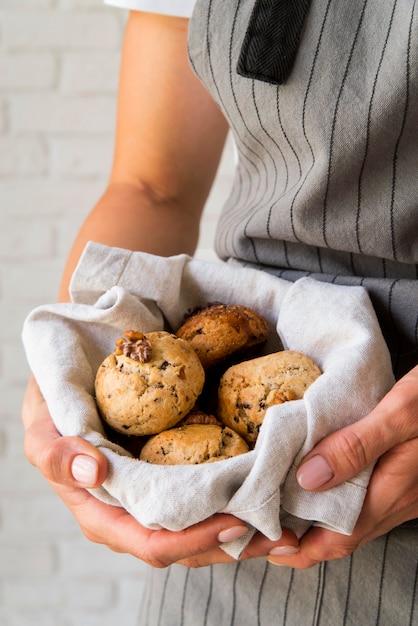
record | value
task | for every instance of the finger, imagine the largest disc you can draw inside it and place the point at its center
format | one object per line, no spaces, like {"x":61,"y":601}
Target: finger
{"x":197,"y":545}
{"x":116,"y":528}
{"x":259,"y":546}
{"x":391,"y":500}
{"x":344,"y":453}
{"x":66,"y":460}
{"x":316,"y":546}
{"x":216,"y":556}
{"x":392,"y":495}
{"x":33,"y":403}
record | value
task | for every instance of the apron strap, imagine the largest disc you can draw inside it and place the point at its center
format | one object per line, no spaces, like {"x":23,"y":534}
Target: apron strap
{"x":272,"y":38}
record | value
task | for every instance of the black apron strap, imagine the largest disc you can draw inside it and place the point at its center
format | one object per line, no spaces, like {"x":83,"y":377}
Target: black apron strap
{"x":272,"y":38}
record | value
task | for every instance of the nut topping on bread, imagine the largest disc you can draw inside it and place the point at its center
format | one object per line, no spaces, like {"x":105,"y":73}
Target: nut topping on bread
{"x":134,"y":345}
{"x":199,"y":417}
{"x":144,"y":396}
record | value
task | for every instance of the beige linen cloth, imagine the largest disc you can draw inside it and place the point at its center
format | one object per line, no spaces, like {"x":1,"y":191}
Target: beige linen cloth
{"x":114,"y":290}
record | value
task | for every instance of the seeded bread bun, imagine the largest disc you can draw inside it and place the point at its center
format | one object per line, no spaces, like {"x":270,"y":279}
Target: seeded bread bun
{"x":193,"y":444}
{"x":249,"y":388}
{"x":149,"y":383}
{"x":218,"y":331}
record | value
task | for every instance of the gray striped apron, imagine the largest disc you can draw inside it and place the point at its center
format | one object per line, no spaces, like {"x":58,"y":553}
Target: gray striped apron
{"x":326,"y":185}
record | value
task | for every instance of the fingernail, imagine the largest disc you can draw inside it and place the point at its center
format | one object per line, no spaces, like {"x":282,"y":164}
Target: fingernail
{"x":283,"y":550}
{"x":229,"y":534}
{"x":84,"y":469}
{"x":314,"y":473}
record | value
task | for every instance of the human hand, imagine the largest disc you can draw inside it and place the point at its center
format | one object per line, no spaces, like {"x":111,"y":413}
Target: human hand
{"x":72,"y":464}
{"x":388,"y":435}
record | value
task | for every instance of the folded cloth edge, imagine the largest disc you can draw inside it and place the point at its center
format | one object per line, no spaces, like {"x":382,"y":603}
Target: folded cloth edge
{"x":122,"y":262}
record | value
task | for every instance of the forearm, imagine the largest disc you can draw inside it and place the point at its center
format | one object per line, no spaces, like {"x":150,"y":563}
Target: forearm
{"x":169,"y":140}
{"x":129,"y":217}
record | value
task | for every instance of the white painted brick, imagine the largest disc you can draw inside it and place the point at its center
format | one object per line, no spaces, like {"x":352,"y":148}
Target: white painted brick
{"x":26,"y":4}
{"x":2,"y":442}
{"x":26,"y":559}
{"x":94,"y":560}
{"x":11,"y":401}
{"x":58,"y":594}
{"x":18,"y":471}
{"x":27,"y":70}
{"x":218,"y":196}
{"x":60,"y":29}
{"x":25,"y":240}
{"x":22,"y":156}
{"x":48,"y":199}
{"x":223,"y":182}
{"x":15,"y":469}
{"x":94,"y":4}
{"x":3,"y":122}
{"x":131,"y":590}
{"x":31,"y":283}
{"x":206,"y":254}
{"x":81,"y":157}
{"x":90,"y":594}
{"x":119,"y":615}
{"x":55,"y":113}
{"x":42,"y":516}
{"x":90,"y":73}
{"x":13,"y":617}
{"x":211,"y":215}
{"x":229,"y":158}
{"x":12,"y":316}
{"x":13,"y":365}
{"x":11,"y":441}
{"x":125,"y":609}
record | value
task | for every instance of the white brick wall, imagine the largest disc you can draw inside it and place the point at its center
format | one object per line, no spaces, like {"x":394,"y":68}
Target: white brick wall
{"x":58,"y":76}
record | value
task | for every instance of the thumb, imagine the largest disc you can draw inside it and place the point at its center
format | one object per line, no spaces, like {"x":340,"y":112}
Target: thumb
{"x":69,"y":461}
{"x":344,"y":453}
{"x":65,"y":460}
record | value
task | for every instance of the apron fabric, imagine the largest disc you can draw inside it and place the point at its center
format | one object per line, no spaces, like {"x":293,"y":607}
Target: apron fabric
{"x":374,"y":586}
{"x":326,"y":186}
{"x":326,"y":182}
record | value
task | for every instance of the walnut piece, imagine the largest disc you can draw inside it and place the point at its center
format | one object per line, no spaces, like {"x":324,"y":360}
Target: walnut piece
{"x":135,"y":345}
{"x":198,"y":417}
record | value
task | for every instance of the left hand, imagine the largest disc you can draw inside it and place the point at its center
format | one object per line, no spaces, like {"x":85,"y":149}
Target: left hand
{"x":60,"y":459}
{"x":388,"y":435}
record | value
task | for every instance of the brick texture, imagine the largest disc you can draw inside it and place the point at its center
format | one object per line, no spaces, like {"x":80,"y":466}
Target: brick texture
{"x":58,"y":78}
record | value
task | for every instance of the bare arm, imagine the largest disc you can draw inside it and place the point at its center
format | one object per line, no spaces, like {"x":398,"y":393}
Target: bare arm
{"x":169,"y":139}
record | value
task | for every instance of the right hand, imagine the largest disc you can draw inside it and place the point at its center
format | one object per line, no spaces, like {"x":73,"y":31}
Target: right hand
{"x":62,"y":460}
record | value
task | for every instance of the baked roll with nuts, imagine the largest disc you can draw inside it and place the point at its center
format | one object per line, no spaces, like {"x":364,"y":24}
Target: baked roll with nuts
{"x":193,"y":444}
{"x":218,"y":331}
{"x":248,"y":389}
{"x":149,"y":383}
